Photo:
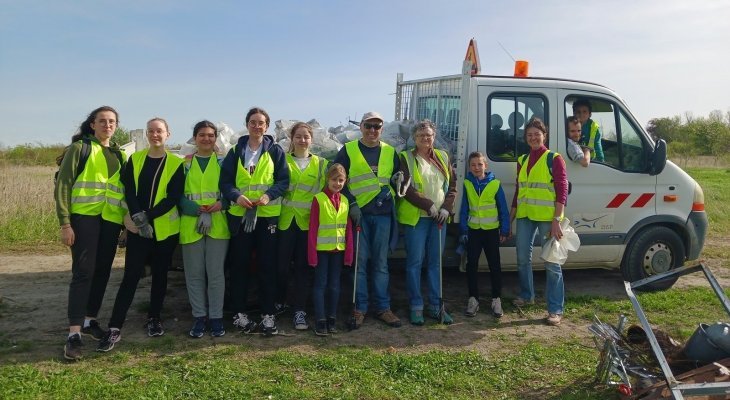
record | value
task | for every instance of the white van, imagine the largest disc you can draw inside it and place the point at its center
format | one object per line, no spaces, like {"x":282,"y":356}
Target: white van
{"x":634,"y":210}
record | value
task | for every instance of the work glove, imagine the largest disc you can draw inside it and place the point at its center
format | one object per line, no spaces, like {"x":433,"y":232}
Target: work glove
{"x":143,"y":225}
{"x":204,"y":223}
{"x":443,"y":215}
{"x":249,"y":220}
{"x":464,"y":239}
{"x":355,"y":214}
{"x":383,"y":196}
{"x":397,"y":181}
{"x":433,"y":212}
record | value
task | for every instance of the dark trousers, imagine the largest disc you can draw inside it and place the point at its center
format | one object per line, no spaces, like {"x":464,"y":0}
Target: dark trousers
{"x":263,"y":239}
{"x":326,"y":288}
{"x":293,"y":246}
{"x":92,"y":256}
{"x":487,"y":240}
{"x":139,"y":251}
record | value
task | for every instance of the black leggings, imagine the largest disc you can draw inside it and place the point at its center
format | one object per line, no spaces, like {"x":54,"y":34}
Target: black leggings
{"x":487,"y":240}
{"x":139,"y":251}
{"x":92,"y":256}
{"x":293,"y":245}
{"x":263,"y":239}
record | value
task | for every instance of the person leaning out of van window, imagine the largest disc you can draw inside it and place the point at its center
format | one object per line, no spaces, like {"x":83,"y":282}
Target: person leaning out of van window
{"x":590,"y":133}
{"x":576,"y":152}
{"x":540,"y":195}
{"x":423,"y":212}
{"x":90,"y":209}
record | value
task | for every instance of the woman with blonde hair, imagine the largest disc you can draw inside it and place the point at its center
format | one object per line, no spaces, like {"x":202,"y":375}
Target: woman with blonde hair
{"x":153,"y":184}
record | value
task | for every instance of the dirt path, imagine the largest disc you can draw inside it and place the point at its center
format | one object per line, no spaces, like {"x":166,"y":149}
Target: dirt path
{"x":34,"y":291}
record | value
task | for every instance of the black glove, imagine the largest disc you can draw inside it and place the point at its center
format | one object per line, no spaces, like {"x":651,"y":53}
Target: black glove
{"x":249,"y":220}
{"x":204,"y":223}
{"x":464,"y":239}
{"x":355,"y":214}
{"x":143,"y":224}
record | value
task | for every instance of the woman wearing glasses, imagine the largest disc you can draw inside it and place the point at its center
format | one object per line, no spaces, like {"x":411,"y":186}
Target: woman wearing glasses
{"x":254,"y":176}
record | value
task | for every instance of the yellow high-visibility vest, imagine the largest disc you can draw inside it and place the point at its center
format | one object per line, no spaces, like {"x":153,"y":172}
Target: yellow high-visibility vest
{"x":482,"y":207}
{"x":407,"y":213}
{"x":332,"y":224}
{"x":254,"y":186}
{"x":201,"y":187}
{"x":95,"y":192}
{"x":303,"y":185}
{"x":167,"y":224}
{"x":536,"y":196}
{"x":363,"y":183}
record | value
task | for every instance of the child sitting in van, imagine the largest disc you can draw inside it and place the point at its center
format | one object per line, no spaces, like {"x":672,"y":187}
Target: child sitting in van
{"x":576,"y":152}
{"x":590,"y":134}
{"x":329,"y":246}
{"x":484,"y":222}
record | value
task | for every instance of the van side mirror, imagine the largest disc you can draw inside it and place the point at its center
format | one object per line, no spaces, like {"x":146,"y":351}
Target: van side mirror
{"x":658,"y":158}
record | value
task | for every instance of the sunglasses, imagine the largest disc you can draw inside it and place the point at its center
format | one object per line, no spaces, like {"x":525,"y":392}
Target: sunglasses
{"x":368,"y":125}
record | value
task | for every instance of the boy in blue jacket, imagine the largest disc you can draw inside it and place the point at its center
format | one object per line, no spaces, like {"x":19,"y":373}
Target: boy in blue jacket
{"x":484,"y":222}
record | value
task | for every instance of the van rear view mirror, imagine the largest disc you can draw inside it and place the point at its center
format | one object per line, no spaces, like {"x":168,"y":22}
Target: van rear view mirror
{"x":658,"y":158}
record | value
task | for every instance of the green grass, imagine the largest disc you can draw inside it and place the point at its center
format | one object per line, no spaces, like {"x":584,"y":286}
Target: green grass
{"x":522,"y":367}
{"x":231,"y":371}
{"x":717,"y":197}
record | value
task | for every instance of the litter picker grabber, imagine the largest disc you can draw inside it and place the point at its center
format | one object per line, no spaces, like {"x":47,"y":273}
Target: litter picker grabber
{"x":442,"y":306}
{"x":351,"y":323}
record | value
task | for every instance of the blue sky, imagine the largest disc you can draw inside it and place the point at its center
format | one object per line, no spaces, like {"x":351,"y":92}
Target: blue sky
{"x":191,"y":60}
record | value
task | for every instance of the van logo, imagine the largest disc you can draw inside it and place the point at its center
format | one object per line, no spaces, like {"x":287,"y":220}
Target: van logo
{"x":584,"y":222}
{"x":620,"y":198}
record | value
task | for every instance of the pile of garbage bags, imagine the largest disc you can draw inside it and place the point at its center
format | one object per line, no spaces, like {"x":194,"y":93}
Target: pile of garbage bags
{"x":326,"y":142}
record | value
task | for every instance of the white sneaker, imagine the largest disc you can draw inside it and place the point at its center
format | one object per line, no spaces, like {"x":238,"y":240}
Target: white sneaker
{"x":241,"y":321}
{"x":497,"y":307}
{"x":472,"y":306}
{"x":268,"y":325}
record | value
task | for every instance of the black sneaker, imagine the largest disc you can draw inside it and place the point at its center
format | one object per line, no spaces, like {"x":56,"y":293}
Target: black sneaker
{"x":320,"y":328}
{"x":94,"y":330}
{"x":216,"y":327}
{"x":109,"y":340}
{"x":154,"y":327}
{"x":72,"y":349}
{"x":198,"y":329}
{"x":268,"y":325}
{"x":280,"y":308}
{"x":331,"y":325}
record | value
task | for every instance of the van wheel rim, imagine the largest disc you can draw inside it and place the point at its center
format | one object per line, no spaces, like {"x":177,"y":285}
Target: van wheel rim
{"x":658,"y":259}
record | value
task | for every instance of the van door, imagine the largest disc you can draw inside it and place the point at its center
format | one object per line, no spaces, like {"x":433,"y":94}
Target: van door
{"x":615,"y":191}
{"x":502,"y":114}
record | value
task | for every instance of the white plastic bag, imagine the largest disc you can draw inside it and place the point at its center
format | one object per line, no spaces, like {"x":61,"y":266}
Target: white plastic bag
{"x":556,"y":251}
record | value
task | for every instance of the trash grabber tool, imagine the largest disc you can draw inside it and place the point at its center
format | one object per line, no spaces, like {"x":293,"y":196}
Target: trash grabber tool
{"x":442,"y":306}
{"x":352,"y":324}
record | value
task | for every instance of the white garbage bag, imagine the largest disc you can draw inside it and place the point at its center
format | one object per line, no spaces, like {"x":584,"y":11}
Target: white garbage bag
{"x":556,"y":251}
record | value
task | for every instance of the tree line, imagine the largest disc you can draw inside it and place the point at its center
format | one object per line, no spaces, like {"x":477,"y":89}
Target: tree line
{"x":689,"y":136}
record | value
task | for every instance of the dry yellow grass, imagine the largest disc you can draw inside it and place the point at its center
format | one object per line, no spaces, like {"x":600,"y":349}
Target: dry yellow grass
{"x":27,"y":208}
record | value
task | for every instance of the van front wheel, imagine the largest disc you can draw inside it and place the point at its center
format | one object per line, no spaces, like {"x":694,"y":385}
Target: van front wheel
{"x":654,"y":250}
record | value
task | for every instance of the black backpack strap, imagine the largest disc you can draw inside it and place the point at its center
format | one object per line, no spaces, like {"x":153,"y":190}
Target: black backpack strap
{"x":85,"y":153}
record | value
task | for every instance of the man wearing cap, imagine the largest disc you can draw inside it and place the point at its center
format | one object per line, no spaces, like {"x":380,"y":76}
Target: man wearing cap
{"x":371,"y":166}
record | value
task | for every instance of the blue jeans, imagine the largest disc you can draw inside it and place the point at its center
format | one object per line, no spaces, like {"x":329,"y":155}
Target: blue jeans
{"x":423,"y":241}
{"x":554,"y":290}
{"x":326,"y":288}
{"x":373,"y":247}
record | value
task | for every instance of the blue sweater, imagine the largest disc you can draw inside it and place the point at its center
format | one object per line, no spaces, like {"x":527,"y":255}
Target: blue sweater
{"x":502,"y":210}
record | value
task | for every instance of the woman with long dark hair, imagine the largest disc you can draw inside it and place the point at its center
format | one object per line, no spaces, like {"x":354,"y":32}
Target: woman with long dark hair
{"x":90,"y":208}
